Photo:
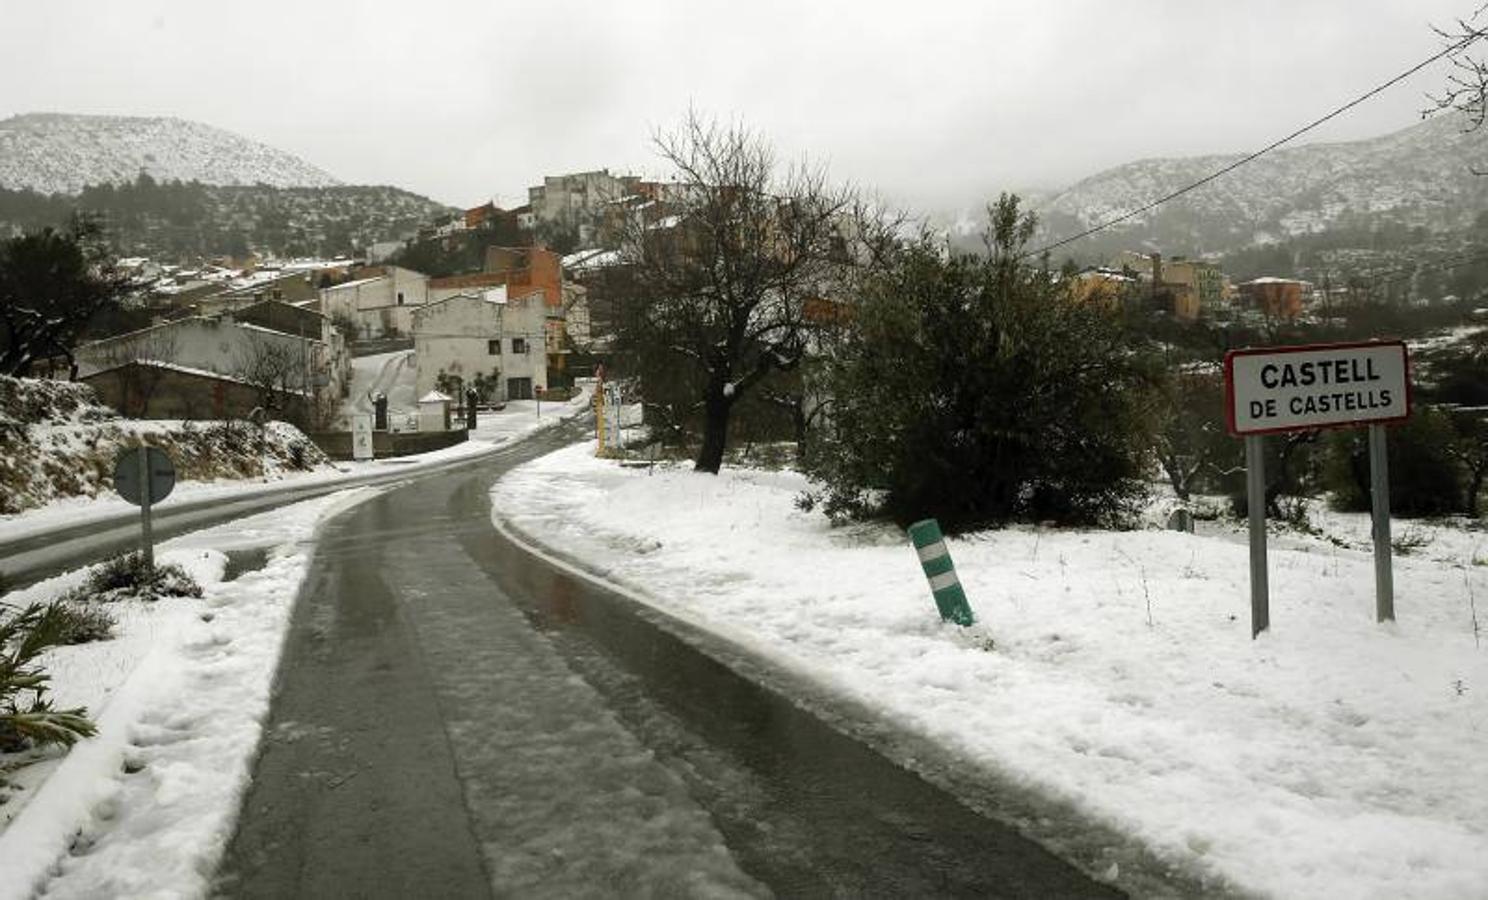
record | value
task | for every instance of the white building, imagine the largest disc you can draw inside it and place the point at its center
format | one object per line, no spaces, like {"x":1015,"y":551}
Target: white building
{"x":579,"y":198}
{"x":378,"y":306}
{"x":318,"y":367}
{"x":482,"y":337}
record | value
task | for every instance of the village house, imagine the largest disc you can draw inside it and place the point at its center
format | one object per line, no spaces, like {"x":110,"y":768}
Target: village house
{"x":579,"y":193}
{"x":287,"y":360}
{"x":593,"y":270}
{"x":1183,"y":287}
{"x":378,"y":303}
{"x":482,"y":339}
{"x":1103,"y":286}
{"x":526,"y":272}
{"x":292,"y":287}
{"x":1195,"y":285}
{"x":1275,"y":298}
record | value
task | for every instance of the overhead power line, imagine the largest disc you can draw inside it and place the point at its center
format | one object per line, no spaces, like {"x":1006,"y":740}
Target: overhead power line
{"x":1454,"y":48}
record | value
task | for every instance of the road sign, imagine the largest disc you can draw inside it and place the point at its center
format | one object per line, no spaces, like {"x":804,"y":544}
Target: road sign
{"x":129,"y":475}
{"x":1278,"y":389}
{"x":1272,"y":390}
{"x":144,"y":476}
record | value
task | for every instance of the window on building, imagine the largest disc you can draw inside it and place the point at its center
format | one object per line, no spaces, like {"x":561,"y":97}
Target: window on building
{"x":400,"y":298}
{"x":493,"y":348}
{"x":519,"y":345}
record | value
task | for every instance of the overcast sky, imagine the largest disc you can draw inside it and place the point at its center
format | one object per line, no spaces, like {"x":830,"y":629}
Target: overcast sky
{"x":934,"y":104}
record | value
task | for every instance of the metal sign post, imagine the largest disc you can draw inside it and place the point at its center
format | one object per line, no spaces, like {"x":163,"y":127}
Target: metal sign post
{"x":147,"y":538}
{"x":144,"y":476}
{"x":1275,"y":390}
{"x":1379,"y":490}
{"x":1255,"y":506}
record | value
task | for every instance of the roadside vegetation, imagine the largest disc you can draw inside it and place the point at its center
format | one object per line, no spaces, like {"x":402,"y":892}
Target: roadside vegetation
{"x":27,"y":716}
{"x":917,"y":380}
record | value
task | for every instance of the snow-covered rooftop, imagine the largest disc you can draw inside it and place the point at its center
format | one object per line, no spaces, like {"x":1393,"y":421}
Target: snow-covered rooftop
{"x":357,"y":283}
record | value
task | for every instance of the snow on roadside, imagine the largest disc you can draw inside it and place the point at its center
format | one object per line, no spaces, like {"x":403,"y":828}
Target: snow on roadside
{"x":1331,"y":757}
{"x":147,"y":806}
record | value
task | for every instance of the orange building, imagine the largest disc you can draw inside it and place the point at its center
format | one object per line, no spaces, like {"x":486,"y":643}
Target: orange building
{"x":1280,"y":298}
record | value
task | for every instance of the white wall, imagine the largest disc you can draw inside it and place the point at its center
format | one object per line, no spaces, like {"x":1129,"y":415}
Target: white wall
{"x":225,"y":347}
{"x":456,"y":336}
{"x":379,"y":306}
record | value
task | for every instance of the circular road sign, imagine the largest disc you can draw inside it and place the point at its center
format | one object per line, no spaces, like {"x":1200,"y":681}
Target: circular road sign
{"x":127,"y":474}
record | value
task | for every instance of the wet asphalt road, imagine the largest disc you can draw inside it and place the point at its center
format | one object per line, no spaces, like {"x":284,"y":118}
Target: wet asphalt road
{"x":30,"y":558}
{"x":454,"y":718}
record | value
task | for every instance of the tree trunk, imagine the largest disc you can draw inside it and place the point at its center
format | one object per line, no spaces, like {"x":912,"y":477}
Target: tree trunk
{"x":1177,"y":476}
{"x":801,"y":425}
{"x":715,"y":434}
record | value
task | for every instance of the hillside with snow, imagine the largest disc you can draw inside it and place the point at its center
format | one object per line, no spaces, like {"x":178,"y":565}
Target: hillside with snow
{"x":1422,"y":176}
{"x":58,"y":153}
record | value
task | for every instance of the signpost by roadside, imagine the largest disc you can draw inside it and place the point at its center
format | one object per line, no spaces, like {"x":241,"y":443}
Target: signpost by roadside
{"x":144,"y":476}
{"x":1275,"y":390}
{"x":361,"y":437}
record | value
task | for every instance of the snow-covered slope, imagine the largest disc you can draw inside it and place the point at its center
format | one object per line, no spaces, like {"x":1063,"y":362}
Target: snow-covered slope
{"x":57,"y":153}
{"x":1422,"y":175}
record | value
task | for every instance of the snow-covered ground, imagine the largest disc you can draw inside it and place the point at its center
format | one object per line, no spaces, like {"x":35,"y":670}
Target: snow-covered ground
{"x":179,"y":696}
{"x":493,"y":431}
{"x":147,"y":806}
{"x":1114,"y":671}
{"x":392,"y":374}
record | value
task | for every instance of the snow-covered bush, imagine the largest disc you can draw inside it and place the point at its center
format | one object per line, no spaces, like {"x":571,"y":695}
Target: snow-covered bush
{"x":126,"y":577}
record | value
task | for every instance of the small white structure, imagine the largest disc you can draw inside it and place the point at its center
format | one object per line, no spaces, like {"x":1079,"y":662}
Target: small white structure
{"x":380,"y":305}
{"x":434,"y":412}
{"x":361,"y":437}
{"x":483,"y":337}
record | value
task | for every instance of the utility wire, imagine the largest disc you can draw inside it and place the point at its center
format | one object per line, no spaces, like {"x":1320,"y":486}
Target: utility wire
{"x":1454,"y":48}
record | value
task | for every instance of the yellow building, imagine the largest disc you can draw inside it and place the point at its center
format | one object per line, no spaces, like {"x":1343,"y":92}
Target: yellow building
{"x":1194,"y":285}
{"x":1103,"y":286}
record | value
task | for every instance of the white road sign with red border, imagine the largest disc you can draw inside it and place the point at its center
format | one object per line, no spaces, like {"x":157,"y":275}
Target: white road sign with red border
{"x":1278,"y":389}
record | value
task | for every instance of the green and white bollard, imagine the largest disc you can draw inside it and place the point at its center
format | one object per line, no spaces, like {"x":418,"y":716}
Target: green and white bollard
{"x":935,"y":559}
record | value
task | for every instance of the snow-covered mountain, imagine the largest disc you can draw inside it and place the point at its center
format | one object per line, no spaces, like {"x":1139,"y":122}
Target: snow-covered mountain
{"x":1419,"y":176}
{"x":58,"y":153}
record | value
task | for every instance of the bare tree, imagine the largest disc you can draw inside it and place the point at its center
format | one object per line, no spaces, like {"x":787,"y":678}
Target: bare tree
{"x":1466,"y":89}
{"x":275,"y":369}
{"x":718,"y":289}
